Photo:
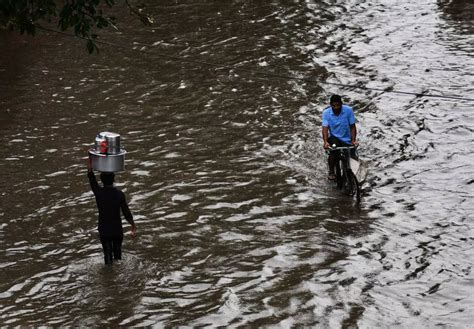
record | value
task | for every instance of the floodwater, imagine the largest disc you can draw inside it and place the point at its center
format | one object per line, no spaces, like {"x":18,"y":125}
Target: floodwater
{"x":225,"y":172}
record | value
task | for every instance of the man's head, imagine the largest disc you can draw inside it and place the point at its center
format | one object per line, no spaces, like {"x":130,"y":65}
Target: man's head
{"x":336,"y":102}
{"x":107,"y":178}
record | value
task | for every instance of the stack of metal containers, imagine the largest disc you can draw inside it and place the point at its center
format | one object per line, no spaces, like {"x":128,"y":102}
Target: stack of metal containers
{"x":107,"y":154}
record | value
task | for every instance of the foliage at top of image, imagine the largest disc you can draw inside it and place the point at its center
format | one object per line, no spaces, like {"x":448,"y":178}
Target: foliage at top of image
{"x":81,"y":16}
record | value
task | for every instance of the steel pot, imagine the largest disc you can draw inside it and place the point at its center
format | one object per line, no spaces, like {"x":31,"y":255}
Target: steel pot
{"x":107,"y":162}
{"x":107,"y":155}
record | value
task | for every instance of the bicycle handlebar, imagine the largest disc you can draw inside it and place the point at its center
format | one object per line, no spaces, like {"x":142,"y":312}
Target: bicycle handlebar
{"x":342,"y":147}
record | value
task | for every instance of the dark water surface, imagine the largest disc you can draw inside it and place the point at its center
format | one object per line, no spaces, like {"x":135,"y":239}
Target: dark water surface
{"x":226,"y":175}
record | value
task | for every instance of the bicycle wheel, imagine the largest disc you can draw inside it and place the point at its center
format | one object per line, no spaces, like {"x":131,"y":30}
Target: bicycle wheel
{"x":353,"y":187}
{"x":347,"y":182}
{"x":339,"y":176}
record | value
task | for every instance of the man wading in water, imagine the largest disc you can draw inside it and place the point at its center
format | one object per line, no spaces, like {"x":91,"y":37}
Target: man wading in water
{"x":110,"y":201}
{"x":338,"y":128}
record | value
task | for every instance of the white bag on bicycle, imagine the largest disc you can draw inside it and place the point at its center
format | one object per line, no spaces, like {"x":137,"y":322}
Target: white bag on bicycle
{"x":359,"y":169}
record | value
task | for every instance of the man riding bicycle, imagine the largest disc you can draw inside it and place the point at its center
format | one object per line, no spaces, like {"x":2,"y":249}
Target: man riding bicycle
{"x":338,"y":129}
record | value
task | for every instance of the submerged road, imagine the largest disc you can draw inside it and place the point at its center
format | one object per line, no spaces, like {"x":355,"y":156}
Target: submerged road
{"x":225,"y":171}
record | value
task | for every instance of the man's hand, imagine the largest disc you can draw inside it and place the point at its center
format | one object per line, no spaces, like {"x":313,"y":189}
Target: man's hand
{"x":326,"y":145}
{"x":355,"y":142}
{"x":133,"y":232}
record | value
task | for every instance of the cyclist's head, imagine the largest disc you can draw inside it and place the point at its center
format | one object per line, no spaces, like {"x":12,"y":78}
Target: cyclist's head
{"x":107,"y":178}
{"x":336,"y":102}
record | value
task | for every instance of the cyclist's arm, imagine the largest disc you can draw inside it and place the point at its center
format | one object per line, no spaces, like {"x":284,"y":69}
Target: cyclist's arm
{"x":353,"y":134}
{"x":325,"y":137}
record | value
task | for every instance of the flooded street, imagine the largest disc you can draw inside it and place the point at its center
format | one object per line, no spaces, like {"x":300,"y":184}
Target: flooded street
{"x":226,"y":174}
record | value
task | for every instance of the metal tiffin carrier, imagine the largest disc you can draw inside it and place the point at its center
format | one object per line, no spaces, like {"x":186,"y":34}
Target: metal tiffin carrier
{"x":107,"y":155}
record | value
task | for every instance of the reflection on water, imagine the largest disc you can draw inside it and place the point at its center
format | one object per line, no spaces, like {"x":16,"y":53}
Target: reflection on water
{"x":226,"y":174}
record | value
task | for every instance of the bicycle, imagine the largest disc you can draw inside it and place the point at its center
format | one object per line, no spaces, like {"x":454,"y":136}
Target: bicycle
{"x":345,"y":177}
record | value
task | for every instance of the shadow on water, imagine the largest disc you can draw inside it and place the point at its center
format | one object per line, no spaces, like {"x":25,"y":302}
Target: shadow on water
{"x":14,"y":75}
{"x":460,"y":13}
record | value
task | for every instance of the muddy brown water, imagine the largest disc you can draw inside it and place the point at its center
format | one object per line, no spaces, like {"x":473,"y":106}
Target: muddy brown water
{"x":226,"y":175}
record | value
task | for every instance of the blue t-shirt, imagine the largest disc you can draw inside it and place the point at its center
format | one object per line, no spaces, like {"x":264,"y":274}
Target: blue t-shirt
{"x":339,"y":124}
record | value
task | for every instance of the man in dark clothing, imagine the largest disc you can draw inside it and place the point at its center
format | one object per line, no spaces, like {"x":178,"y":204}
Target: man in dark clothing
{"x":110,"y":201}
